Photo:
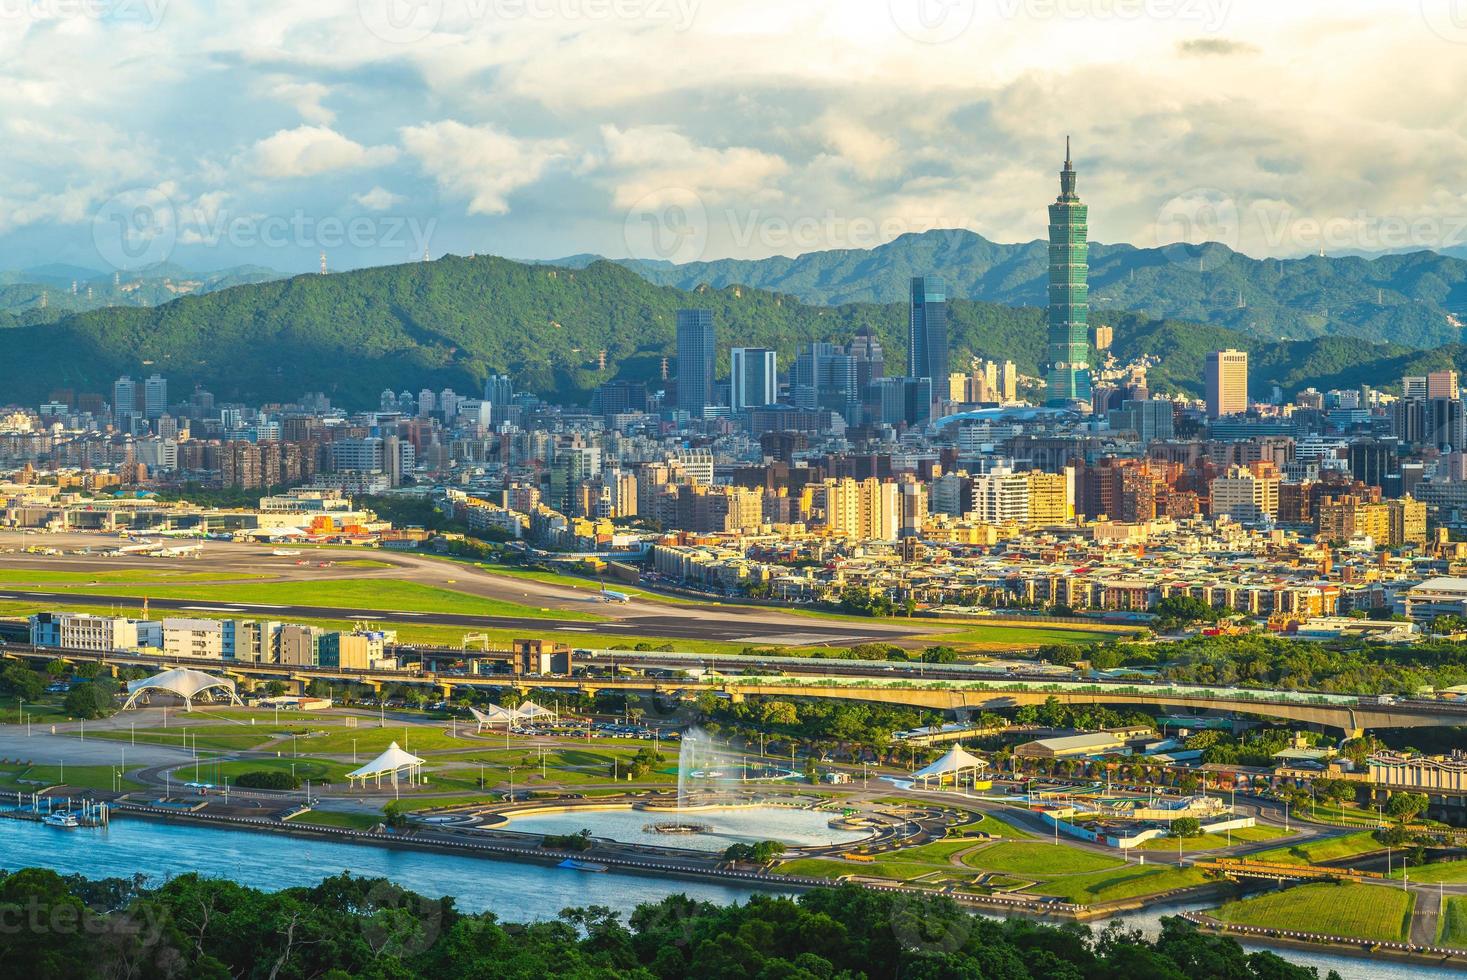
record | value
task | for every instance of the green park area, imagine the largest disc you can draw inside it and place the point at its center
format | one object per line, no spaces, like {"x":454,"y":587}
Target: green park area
{"x":1018,"y":863}
{"x":1211,"y":842}
{"x":1321,"y":850}
{"x":1348,"y":909}
{"x":24,"y":777}
{"x":1445,"y":872}
{"x":1453,"y":924}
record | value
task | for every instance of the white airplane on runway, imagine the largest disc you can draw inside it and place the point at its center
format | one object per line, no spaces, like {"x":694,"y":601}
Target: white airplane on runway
{"x":608,"y":595}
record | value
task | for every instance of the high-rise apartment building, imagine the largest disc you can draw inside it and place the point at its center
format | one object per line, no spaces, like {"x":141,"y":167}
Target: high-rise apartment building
{"x":1068,"y":360}
{"x":696,"y":346}
{"x":753,"y":378}
{"x":927,"y":330}
{"x":1227,"y":383}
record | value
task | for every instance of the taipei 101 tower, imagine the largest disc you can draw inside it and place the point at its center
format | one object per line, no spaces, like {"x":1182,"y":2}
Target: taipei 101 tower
{"x":1068,"y":358}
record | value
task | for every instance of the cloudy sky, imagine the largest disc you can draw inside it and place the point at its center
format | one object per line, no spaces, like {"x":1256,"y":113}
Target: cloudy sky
{"x":268,"y":131}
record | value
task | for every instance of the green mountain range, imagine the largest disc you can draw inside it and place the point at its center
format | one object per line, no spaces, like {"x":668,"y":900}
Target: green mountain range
{"x":1417,"y":298}
{"x":453,"y":321}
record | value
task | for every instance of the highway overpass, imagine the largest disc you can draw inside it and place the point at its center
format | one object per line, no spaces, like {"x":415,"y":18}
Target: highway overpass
{"x":1349,"y":714}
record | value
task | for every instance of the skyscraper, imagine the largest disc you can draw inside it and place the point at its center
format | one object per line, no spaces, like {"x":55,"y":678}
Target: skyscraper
{"x":1069,"y":299}
{"x":753,"y":380}
{"x":927,"y":330}
{"x":155,"y":396}
{"x":1227,"y":383}
{"x":695,"y":365}
{"x":124,"y":396}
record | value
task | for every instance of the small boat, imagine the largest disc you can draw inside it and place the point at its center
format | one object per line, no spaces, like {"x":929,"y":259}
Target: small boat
{"x":61,"y":818}
{"x":575,"y":864}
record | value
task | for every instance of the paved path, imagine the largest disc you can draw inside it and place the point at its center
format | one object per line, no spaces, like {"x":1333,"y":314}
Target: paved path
{"x":43,"y":748}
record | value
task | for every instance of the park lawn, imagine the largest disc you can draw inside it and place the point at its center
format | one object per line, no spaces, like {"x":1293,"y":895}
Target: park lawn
{"x":336,"y":818}
{"x":316,"y":770}
{"x":1035,"y":858}
{"x":26,"y":778}
{"x":995,"y":827}
{"x":1447,"y":872}
{"x":212,"y":737}
{"x":366,"y":594}
{"x":38,"y":711}
{"x":899,"y":865}
{"x":1349,"y":909}
{"x":1452,"y":928}
{"x":1209,"y":842}
{"x":1117,"y":884}
{"x":1316,"y":851}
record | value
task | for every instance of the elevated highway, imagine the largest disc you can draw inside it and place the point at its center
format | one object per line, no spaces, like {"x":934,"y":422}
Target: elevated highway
{"x":1349,"y":714}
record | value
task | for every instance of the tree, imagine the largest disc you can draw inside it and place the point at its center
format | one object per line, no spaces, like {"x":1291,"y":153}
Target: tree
{"x":1183,"y":610}
{"x":1186,"y":827}
{"x":21,"y":681}
{"x":1405,"y":806}
{"x":94,"y":699}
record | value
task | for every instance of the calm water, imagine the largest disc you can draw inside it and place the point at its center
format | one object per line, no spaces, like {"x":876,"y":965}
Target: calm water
{"x":513,"y":891}
{"x":748,"y":825}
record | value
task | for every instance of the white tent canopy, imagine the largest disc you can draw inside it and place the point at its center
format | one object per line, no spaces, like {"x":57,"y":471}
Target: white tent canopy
{"x":507,"y":717}
{"x":187,"y":684}
{"x":956,"y":761}
{"x":391,"y":763}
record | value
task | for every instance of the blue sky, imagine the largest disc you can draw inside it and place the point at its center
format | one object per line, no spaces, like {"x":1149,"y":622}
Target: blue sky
{"x":214,"y":134}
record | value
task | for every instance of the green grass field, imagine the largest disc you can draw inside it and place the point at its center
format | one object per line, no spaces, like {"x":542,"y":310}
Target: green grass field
{"x":1315,"y":851}
{"x":1452,"y":929}
{"x":22,"y":574}
{"x":1448,"y":872}
{"x":27,"y":778}
{"x":1035,"y":858}
{"x":1117,"y":884}
{"x":367,"y":594}
{"x":984,"y":637}
{"x":902,"y":865}
{"x":334,"y":818}
{"x":1210,"y":842}
{"x":995,"y":827}
{"x":1350,"y":909}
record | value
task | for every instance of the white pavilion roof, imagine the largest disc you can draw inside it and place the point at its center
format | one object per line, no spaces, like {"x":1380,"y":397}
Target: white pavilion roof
{"x":181,"y":681}
{"x":393,"y":759}
{"x":956,"y":758}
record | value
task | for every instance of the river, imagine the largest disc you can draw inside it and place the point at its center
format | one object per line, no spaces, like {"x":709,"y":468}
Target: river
{"x":514,"y":891}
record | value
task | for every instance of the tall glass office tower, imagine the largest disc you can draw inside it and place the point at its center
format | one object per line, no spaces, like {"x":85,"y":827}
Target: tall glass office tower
{"x":1069,"y":300}
{"x":927,"y":331}
{"x":695,"y":350}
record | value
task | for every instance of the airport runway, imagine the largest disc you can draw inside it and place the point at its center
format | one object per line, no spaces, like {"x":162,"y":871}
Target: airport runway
{"x":707,"y":625}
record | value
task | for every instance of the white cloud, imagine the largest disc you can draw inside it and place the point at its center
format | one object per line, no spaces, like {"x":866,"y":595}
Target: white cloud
{"x":377,"y":199}
{"x":480,"y":163}
{"x":305,"y":98}
{"x":647,"y":160}
{"x":310,"y":150}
